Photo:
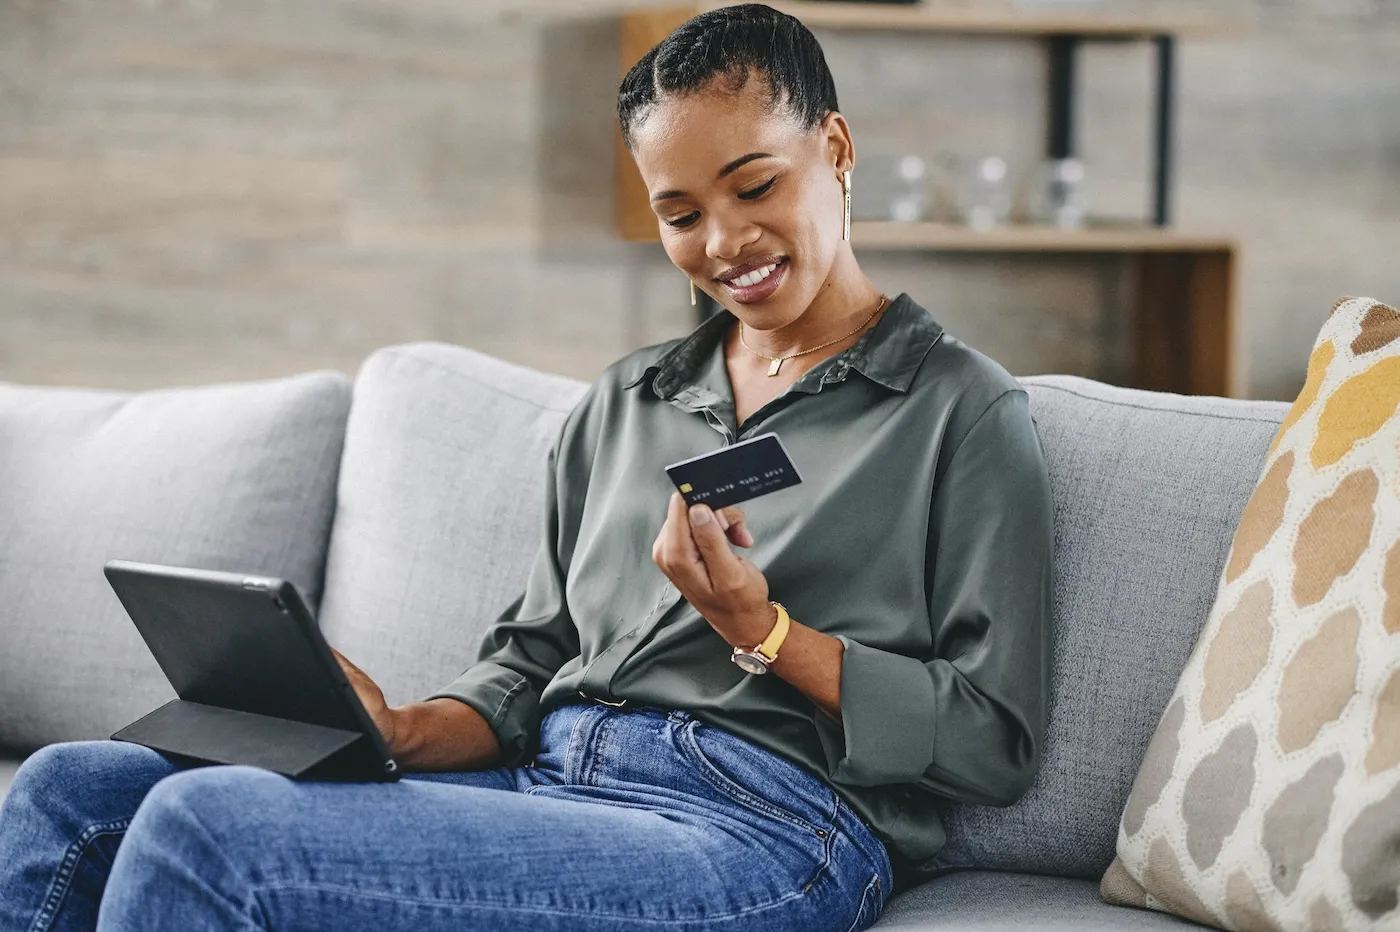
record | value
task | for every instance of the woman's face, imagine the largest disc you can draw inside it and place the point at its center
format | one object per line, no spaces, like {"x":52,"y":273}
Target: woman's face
{"x":740,"y":189}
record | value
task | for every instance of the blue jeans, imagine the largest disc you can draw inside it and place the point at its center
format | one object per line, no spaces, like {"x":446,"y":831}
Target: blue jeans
{"x":636,"y":819}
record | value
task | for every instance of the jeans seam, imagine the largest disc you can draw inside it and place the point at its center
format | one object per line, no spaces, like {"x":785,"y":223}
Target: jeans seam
{"x":596,"y":748}
{"x":569,"y":748}
{"x":712,"y":774}
{"x":873,"y":885}
{"x":871,"y":841}
{"x":58,"y":889}
{"x":517,"y":907}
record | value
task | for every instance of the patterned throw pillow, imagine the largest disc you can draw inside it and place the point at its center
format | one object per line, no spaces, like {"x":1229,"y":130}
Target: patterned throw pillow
{"x":1269,"y":797}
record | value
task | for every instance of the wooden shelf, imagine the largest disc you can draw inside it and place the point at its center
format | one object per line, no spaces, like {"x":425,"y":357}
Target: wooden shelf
{"x":642,"y":28}
{"x":1184,"y":315}
{"x":1004,"y":19}
{"x":1028,"y":238}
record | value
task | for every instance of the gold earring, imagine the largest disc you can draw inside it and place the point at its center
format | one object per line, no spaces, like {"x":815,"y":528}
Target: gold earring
{"x":846,"y":220}
{"x":692,"y":292}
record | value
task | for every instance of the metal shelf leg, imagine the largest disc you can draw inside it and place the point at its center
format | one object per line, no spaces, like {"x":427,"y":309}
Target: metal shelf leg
{"x":1063,"y":49}
{"x":1162,"y":176}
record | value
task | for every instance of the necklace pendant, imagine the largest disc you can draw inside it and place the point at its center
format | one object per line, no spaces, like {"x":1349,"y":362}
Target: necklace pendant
{"x":774,"y":366}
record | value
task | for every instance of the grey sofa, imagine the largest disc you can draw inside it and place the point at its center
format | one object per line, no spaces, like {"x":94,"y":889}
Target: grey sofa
{"x":406,"y":506}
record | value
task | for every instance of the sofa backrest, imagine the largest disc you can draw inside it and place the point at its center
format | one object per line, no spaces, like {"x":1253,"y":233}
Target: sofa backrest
{"x":441,"y":492}
{"x":1148,"y":488}
{"x":439,"y":508}
{"x":237,"y":477}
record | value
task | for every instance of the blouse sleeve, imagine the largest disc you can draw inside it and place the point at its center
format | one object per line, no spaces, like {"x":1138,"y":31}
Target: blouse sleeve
{"x":969,"y":721}
{"x":535,"y":635}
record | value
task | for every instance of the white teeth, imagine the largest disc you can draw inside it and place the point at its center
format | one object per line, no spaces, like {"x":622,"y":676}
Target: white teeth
{"x":756,"y":276}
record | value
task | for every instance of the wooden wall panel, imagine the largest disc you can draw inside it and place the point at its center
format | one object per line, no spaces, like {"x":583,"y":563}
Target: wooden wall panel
{"x":205,"y":189}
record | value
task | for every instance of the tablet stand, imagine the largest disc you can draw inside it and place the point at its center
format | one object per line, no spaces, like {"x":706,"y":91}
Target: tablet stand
{"x":215,"y":735}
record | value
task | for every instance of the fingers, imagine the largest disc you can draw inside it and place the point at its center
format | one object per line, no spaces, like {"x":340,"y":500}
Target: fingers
{"x":352,"y":672}
{"x":679,"y":544}
{"x":661,"y":546}
{"x":736,"y":526}
{"x":720,"y":562}
{"x":674,"y":549}
{"x":683,"y":547}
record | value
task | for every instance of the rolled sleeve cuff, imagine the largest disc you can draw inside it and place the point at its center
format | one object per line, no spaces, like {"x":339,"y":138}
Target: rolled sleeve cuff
{"x":508,"y":703}
{"x":889,"y":710}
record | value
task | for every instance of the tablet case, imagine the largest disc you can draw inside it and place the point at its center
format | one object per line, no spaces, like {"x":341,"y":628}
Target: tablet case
{"x":214,"y":735}
{"x":257,"y":683}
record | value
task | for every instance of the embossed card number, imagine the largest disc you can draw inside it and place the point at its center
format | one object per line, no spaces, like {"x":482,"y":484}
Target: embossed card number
{"x":735,"y":473}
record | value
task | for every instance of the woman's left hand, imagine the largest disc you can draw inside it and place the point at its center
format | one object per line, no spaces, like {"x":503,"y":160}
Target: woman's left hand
{"x":729,"y":591}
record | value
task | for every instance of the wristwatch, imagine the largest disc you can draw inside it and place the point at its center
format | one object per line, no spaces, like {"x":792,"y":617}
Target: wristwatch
{"x":759,"y":659}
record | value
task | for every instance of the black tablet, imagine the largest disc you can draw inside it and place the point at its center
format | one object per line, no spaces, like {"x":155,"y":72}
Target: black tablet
{"x":256,"y":681}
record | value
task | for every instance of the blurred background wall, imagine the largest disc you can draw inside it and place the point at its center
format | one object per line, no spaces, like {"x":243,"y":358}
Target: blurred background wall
{"x":197,"y":190}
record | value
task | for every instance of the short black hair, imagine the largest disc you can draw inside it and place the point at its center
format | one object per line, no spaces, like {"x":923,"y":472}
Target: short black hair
{"x":727,"y":42}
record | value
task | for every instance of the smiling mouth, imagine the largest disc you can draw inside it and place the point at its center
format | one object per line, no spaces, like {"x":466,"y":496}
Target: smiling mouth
{"x":753,"y":277}
{"x":757,"y":285}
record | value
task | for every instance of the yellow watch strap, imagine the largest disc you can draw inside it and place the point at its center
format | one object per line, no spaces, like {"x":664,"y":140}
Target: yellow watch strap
{"x":770,"y":645}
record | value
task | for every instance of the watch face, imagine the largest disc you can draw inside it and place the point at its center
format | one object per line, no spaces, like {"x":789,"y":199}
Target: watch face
{"x":750,"y":664}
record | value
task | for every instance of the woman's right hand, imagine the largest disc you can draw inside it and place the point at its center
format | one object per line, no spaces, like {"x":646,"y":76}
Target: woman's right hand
{"x":372,"y":697}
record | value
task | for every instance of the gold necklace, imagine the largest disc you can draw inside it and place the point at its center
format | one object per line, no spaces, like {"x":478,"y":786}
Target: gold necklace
{"x":777,"y":361}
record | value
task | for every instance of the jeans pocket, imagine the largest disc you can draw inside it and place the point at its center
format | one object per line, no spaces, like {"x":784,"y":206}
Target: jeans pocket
{"x":870,"y":904}
{"x":741,"y":777}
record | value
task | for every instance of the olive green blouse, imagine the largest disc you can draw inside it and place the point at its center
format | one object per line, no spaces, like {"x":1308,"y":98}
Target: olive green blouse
{"x":920,"y":536}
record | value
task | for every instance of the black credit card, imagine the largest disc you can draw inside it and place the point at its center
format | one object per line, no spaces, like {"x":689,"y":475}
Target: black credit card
{"x":735,"y":473}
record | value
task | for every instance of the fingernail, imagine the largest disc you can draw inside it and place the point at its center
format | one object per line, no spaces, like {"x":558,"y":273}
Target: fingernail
{"x":699,"y":514}
{"x":723,"y":521}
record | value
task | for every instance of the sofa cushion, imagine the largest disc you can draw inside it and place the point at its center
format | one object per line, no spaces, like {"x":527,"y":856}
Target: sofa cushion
{"x":237,"y":477}
{"x":439,"y":508}
{"x":437,"y":518}
{"x":998,"y":902}
{"x":1147,"y":488}
{"x":1270,"y":794}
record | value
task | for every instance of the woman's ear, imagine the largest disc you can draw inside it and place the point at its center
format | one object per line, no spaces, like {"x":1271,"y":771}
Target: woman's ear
{"x":836,"y":135}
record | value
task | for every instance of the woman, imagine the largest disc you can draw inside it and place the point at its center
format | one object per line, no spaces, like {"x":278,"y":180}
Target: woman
{"x":603,"y":765}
